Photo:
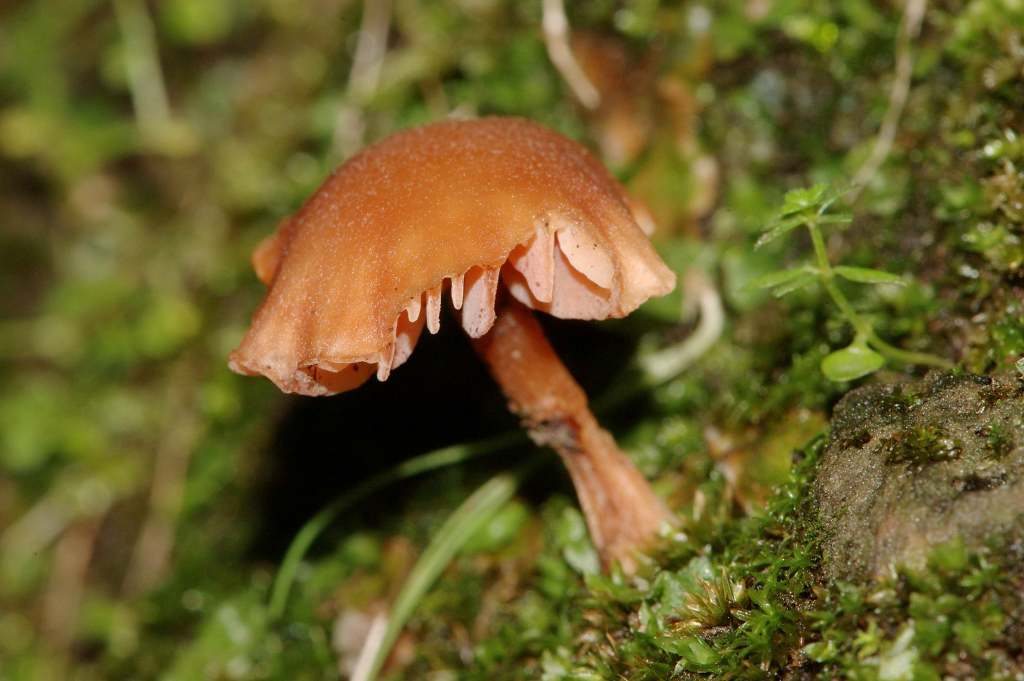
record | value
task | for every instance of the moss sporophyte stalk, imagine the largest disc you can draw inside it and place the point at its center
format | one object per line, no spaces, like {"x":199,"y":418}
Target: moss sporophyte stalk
{"x":867,"y":352}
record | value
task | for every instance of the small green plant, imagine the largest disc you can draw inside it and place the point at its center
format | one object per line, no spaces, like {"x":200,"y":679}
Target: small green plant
{"x":867,"y":353}
{"x":921,"y":446}
{"x":712,"y":603}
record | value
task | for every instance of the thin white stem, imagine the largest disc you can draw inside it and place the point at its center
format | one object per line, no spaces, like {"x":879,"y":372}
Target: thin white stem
{"x":371,"y":646}
{"x":665,"y":364}
{"x":556,"y":38}
{"x":363,"y":77}
{"x":63,"y":596}
{"x":142,"y":62}
{"x":910,"y":27}
{"x":38,"y":527}
{"x":152,"y":553}
{"x":371,"y":46}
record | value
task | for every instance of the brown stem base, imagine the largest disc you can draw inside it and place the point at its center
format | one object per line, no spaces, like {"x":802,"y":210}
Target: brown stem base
{"x":623,"y":513}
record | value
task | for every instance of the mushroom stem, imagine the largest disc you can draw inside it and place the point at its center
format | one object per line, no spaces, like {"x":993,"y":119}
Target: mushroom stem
{"x":622,"y":511}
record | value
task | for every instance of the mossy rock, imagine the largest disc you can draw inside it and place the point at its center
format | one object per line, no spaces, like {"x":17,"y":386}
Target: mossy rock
{"x":913,"y":465}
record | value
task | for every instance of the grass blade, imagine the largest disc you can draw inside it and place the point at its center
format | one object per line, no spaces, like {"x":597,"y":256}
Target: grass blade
{"x":461,"y":525}
{"x":430,"y":461}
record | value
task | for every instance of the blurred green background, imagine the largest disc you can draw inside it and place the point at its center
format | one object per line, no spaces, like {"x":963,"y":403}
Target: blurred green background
{"x":147,"y":494}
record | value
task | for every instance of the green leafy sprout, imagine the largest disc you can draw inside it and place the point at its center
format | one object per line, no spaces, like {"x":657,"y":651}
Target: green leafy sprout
{"x":867,"y":353}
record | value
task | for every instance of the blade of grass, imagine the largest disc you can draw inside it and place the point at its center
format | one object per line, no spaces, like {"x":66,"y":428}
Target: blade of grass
{"x":461,"y":525}
{"x":430,"y":461}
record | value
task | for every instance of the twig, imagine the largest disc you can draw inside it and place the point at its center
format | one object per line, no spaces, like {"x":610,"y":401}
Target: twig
{"x":145,"y":78}
{"x":152,"y":552}
{"x":910,"y":27}
{"x":363,"y":77}
{"x":371,"y":46}
{"x":63,"y":598}
{"x":556,"y":38}
{"x":40,"y":525}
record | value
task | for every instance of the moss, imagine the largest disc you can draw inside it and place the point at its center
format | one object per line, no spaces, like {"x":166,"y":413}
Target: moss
{"x":126,"y":256}
{"x":751,"y":600}
{"x":999,"y":440}
{"x":921,"y":446}
{"x":959,"y":615}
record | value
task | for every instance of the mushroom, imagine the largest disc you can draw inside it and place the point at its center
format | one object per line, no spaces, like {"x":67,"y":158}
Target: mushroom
{"x":502,"y":215}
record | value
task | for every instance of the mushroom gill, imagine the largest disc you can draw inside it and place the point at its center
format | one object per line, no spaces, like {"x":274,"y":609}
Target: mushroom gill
{"x":557,"y":271}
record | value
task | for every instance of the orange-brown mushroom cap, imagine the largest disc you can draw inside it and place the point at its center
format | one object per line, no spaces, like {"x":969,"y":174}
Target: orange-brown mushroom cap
{"x":358,"y":271}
